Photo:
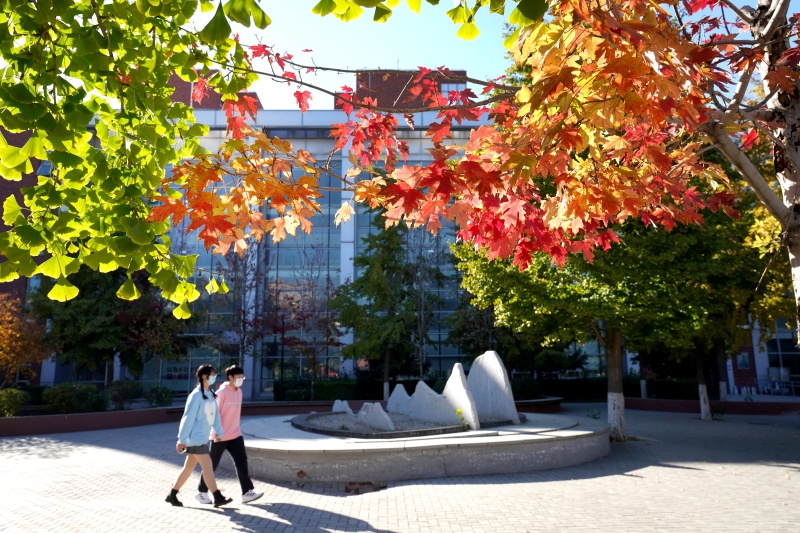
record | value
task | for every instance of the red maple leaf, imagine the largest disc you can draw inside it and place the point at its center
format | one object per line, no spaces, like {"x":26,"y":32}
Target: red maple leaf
{"x":172,"y":207}
{"x":783,"y":78}
{"x":289,"y":76}
{"x":260,"y":50}
{"x":302,"y":99}
{"x":790,"y":57}
{"x":438,"y":131}
{"x":235,"y":125}
{"x":213,"y":227}
{"x":308,"y":50}
{"x":749,"y":139}
{"x":200,"y":90}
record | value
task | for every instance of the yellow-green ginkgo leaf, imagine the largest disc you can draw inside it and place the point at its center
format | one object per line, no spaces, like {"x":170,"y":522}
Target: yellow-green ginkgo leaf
{"x":128,"y":290}
{"x":63,"y":291}
{"x":182,"y":311}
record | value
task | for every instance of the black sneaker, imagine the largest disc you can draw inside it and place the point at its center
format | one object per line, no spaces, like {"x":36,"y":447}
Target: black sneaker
{"x":173,"y":499}
{"x":220,"y":500}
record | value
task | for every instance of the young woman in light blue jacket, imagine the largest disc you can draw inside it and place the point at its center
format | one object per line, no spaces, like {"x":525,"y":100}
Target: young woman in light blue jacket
{"x":199,"y":416}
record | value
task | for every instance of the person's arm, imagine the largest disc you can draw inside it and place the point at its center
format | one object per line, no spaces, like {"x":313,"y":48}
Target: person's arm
{"x":217,"y":427}
{"x":189,"y":416}
{"x":220,"y":411}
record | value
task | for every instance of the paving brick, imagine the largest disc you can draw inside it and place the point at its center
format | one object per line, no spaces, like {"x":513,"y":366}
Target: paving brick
{"x":737,"y":475}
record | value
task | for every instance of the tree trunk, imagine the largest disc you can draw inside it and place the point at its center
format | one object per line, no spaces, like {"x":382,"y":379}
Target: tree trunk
{"x":786,"y":156}
{"x":386,"y":375}
{"x":723,"y":379}
{"x":616,"y":398}
{"x":705,"y":407}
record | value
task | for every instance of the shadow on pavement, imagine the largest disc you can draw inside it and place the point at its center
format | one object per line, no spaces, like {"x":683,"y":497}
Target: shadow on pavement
{"x":298,"y":517}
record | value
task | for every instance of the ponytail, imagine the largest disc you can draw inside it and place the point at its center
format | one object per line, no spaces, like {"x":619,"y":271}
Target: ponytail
{"x":205,"y":370}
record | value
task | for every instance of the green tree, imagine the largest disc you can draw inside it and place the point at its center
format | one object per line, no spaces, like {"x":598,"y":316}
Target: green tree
{"x":381,"y":305}
{"x":89,"y":330}
{"x":685,"y":292}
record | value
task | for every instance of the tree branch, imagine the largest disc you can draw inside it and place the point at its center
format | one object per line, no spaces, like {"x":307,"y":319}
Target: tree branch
{"x":599,"y":335}
{"x":741,"y":14}
{"x":780,"y":12}
{"x":762,"y":102}
{"x":764,"y":115}
{"x":280,"y":79}
{"x":735,"y":102}
{"x":716,"y":132}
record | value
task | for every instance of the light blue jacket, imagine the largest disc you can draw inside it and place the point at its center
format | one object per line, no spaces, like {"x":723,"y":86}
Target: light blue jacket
{"x":199,"y":417}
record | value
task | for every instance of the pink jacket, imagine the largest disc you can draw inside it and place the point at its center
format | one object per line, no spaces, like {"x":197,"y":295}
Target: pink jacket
{"x":229,"y":402}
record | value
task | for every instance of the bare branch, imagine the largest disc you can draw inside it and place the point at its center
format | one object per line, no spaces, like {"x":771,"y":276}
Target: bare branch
{"x":599,"y":335}
{"x":741,"y":14}
{"x":779,"y":13}
{"x":762,"y":102}
{"x":764,"y":115}
{"x":716,"y":132}
{"x":738,"y":96}
{"x":280,"y":79}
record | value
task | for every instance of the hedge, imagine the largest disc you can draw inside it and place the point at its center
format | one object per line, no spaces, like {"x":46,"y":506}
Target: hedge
{"x":75,"y":398}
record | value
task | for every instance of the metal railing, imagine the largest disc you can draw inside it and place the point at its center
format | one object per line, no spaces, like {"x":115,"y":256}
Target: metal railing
{"x":778,"y":387}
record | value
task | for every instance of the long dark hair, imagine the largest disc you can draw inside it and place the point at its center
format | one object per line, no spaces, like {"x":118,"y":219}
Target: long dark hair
{"x":205,"y":370}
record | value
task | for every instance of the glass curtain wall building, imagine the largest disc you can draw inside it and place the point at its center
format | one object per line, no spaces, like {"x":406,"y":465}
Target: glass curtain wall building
{"x":299,"y":267}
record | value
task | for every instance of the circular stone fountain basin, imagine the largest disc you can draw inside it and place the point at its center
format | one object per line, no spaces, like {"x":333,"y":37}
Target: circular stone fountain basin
{"x":347,"y":425}
{"x":279,"y":451}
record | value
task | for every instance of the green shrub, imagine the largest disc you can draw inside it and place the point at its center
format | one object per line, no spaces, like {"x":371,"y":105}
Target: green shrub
{"x":439,"y":385}
{"x":35,"y":392}
{"x":525,"y":388}
{"x":122,"y":392}
{"x":11,"y":400}
{"x":159,"y":396}
{"x":334,"y":389}
{"x":281,"y":387}
{"x":75,"y":398}
{"x":298,"y":395}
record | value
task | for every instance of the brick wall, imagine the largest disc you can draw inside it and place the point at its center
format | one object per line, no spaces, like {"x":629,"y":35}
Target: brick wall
{"x":213,"y":100}
{"x":389,"y":88}
{"x":745,"y":377}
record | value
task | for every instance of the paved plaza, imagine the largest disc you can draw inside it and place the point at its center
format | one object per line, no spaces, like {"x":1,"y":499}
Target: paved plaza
{"x":740,"y":474}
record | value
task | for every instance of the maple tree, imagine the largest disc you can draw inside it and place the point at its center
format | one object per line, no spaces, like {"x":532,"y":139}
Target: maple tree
{"x":21,"y":339}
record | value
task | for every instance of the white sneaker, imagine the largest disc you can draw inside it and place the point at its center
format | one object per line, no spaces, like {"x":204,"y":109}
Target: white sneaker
{"x":202,"y":497}
{"x":250,"y":496}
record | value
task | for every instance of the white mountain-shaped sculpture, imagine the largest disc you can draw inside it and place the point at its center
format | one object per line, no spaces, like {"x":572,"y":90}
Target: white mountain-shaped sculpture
{"x":399,"y":401}
{"x":373,"y":415}
{"x":490,"y":388}
{"x":453,"y":407}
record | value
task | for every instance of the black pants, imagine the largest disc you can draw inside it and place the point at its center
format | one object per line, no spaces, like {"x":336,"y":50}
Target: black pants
{"x":235,"y":447}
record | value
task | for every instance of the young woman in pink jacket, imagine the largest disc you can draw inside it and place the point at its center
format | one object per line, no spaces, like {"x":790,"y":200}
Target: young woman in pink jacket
{"x":229,"y":401}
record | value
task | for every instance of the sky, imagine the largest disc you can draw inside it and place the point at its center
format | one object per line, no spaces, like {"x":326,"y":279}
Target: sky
{"x":406,"y":41}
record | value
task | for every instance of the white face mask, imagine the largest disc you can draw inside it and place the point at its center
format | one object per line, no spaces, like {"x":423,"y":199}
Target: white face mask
{"x":212,"y":378}
{"x":238,"y":382}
